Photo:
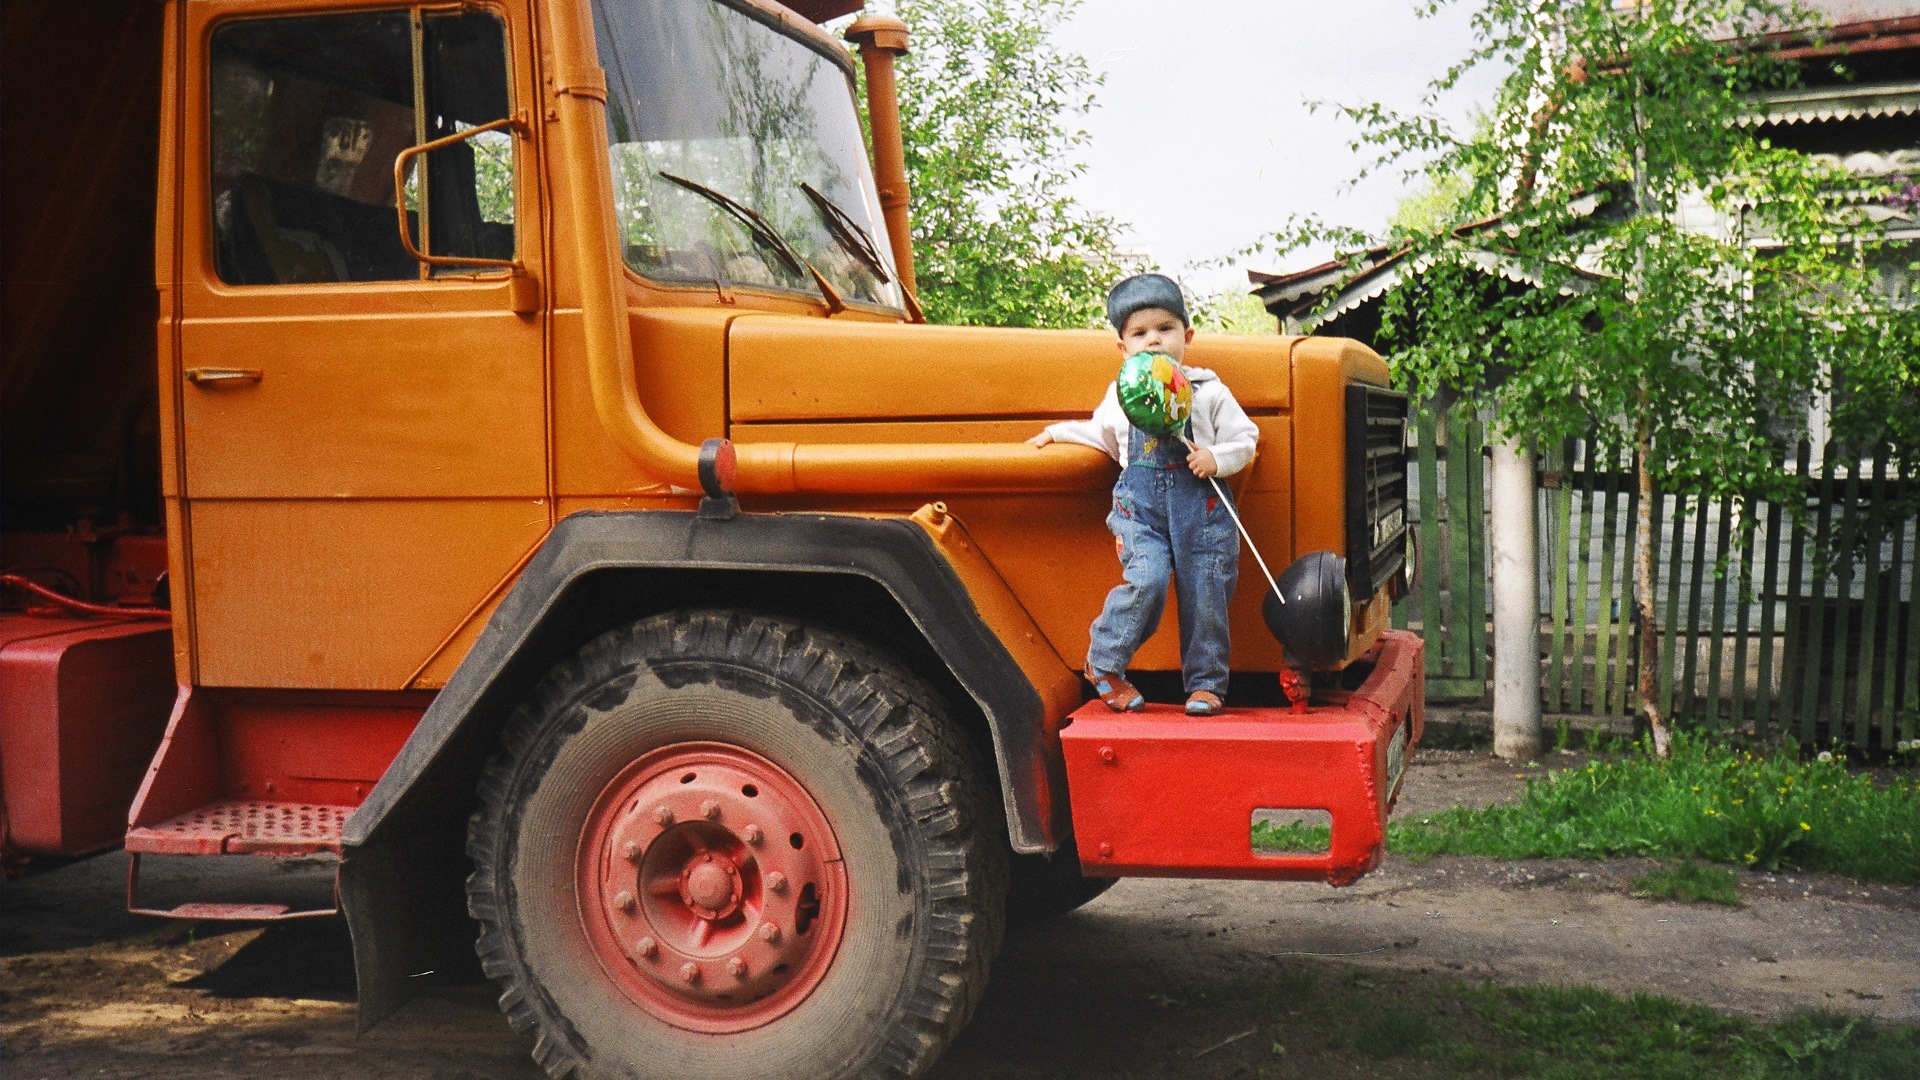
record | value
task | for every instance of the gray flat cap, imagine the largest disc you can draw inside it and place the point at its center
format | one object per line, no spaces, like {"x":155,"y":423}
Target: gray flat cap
{"x":1145,"y":291}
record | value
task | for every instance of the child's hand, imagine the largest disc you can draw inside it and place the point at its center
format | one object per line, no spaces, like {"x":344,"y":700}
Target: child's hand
{"x":1041,"y":439}
{"x":1202,"y":463}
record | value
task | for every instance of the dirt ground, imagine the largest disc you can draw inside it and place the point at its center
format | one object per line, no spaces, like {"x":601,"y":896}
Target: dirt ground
{"x":1139,"y":983}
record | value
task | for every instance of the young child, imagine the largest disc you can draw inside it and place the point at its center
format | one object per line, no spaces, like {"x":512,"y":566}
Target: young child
{"x":1166,"y":516}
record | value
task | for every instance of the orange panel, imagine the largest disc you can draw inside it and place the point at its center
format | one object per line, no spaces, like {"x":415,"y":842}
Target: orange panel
{"x":784,"y":368}
{"x":893,"y":431}
{"x":356,"y":594}
{"x":680,"y":365}
{"x":418,"y":404}
{"x":1057,"y":557}
{"x":1322,"y":368}
{"x":1055,"y":552}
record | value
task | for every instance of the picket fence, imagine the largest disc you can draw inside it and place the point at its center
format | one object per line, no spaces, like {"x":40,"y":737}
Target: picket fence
{"x":1770,"y":621}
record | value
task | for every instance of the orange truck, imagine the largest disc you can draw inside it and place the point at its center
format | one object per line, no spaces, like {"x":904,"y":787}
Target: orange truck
{"x":491,"y":449}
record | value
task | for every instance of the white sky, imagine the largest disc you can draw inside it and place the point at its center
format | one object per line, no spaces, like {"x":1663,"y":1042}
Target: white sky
{"x":1229,"y":81}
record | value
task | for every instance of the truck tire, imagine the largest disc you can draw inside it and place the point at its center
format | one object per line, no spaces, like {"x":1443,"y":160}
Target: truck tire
{"x":1041,"y":888}
{"x":717,"y":845}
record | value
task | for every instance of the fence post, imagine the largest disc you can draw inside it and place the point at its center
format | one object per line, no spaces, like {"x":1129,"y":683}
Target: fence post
{"x":1516,"y":603}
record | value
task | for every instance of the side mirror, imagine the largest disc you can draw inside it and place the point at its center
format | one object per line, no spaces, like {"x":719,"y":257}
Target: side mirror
{"x":400,"y":163}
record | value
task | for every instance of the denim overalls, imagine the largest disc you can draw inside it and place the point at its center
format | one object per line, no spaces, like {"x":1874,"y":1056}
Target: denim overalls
{"x":1171,"y":525}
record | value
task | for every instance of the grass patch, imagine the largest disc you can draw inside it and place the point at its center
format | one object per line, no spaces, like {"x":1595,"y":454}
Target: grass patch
{"x":1292,"y":837}
{"x":1691,"y":882}
{"x":1571,"y":1033}
{"x":1354,"y":1023}
{"x":1394,"y":1031}
{"x":1710,"y":801}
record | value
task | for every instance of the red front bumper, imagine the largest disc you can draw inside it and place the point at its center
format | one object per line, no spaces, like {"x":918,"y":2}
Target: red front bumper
{"x":1158,"y":794}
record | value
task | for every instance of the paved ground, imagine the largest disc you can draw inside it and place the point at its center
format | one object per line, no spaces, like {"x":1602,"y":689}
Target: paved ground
{"x":1127,"y":986}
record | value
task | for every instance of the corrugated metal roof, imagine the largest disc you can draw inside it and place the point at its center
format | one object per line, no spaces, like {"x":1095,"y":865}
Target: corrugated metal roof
{"x":1837,"y":103}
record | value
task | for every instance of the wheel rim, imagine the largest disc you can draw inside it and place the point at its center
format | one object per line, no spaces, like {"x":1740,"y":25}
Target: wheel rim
{"x":711,"y":887}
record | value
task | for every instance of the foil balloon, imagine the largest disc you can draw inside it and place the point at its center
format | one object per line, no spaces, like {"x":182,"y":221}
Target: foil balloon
{"x":1154,"y":393}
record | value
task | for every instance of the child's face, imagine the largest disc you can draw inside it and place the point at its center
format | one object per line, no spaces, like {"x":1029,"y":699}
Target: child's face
{"x":1155,"y":330}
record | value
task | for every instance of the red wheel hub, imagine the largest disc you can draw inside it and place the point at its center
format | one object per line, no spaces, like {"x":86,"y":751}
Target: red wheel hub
{"x":711,"y":887}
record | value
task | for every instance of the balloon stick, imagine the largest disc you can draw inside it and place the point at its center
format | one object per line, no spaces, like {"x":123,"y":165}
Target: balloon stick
{"x":1251,"y":546}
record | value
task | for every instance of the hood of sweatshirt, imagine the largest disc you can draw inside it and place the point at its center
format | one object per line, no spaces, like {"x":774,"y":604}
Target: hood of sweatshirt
{"x":1199,"y":374}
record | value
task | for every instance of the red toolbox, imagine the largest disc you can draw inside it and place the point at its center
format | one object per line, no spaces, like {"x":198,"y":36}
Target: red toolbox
{"x":82,"y":705}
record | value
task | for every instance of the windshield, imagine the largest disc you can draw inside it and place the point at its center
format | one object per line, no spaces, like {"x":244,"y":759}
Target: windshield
{"x":701,"y":91}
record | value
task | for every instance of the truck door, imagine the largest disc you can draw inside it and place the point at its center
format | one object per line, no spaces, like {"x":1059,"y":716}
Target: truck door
{"x":361,"y":432}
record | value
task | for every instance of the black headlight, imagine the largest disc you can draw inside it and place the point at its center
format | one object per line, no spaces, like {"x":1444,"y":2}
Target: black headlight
{"x":1314,"y":622}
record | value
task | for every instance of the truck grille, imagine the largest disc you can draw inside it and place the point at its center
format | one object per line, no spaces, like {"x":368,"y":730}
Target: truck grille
{"x":1376,"y":487}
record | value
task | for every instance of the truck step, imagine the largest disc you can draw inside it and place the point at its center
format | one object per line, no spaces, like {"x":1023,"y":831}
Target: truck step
{"x":245,"y":827}
{"x":239,"y":827}
{"x":231,"y":912}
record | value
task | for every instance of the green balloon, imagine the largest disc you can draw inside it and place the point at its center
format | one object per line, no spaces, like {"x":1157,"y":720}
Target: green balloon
{"x":1154,"y":393}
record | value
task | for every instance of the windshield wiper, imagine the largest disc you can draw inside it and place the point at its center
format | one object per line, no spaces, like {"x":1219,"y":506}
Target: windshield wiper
{"x":763,"y":231}
{"x":858,"y":242}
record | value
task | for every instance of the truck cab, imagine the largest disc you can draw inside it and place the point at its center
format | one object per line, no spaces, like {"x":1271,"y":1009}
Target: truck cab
{"x":495,"y":446}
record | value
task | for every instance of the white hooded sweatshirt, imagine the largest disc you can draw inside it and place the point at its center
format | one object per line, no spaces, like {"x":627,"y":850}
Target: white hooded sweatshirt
{"x":1219,"y":424}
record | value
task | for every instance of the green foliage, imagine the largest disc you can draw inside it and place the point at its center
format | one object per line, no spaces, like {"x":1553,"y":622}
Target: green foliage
{"x":1692,"y":883}
{"x":1658,"y":271}
{"x":1830,"y":1046}
{"x":1434,"y":207}
{"x":987,"y":100}
{"x":1232,"y":311}
{"x":1708,"y":801}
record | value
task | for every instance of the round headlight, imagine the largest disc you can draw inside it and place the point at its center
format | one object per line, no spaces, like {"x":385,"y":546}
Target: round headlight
{"x":1314,"y":621}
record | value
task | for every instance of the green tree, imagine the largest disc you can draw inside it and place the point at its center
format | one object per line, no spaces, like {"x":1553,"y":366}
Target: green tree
{"x":1686,"y":286}
{"x":987,"y":103}
{"x":1232,"y":311}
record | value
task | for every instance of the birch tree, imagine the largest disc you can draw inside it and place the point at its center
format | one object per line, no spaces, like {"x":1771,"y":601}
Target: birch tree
{"x":1655,"y":271}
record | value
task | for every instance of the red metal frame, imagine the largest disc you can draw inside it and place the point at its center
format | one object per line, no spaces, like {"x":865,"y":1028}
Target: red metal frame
{"x":1161,"y":794}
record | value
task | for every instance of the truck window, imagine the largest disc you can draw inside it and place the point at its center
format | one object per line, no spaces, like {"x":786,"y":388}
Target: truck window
{"x":307,"y":116}
{"x":708,"y":92}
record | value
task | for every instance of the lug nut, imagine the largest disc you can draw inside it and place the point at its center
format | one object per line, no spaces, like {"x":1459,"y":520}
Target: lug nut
{"x":645,"y":947}
{"x":777,"y":882}
{"x":662,"y":815}
{"x":690,"y":973}
{"x":623,"y":900}
{"x":737,"y":967}
{"x":710,"y":810}
{"x":1106,"y":851}
{"x":752,"y":834}
{"x":630,"y":851}
{"x":1107,"y":755}
{"x":769,"y":933}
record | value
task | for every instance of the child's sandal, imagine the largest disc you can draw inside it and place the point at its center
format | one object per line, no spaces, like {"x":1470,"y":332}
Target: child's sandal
{"x":1118,"y":694}
{"x":1204,"y":703}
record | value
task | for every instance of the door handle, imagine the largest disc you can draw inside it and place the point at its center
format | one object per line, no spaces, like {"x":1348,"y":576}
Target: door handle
{"x":216,"y":376}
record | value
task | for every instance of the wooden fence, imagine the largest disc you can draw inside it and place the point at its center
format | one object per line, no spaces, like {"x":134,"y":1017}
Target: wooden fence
{"x":1769,"y":621}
